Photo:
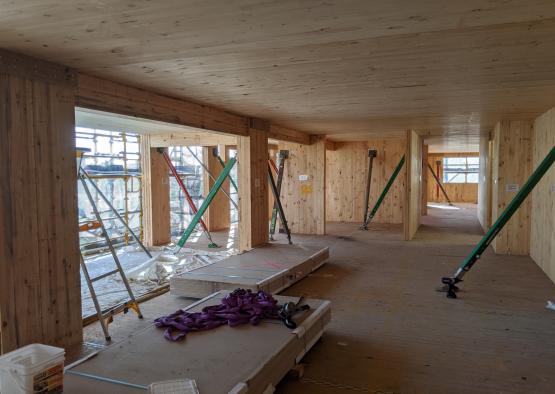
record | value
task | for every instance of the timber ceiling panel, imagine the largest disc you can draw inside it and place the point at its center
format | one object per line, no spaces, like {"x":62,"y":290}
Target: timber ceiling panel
{"x":345,"y":68}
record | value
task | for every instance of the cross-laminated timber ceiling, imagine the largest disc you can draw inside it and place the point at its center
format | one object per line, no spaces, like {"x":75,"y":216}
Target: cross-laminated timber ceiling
{"x":331,"y":67}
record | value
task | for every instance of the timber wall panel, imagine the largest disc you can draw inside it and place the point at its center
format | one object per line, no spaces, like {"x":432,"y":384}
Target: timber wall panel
{"x":413,"y":202}
{"x":304,"y":202}
{"x":156,"y":195}
{"x":346,"y":172}
{"x":426,"y":176}
{"x":542,"y":238}
{"x":512,"y":165}
{"x":484,"y":183}
{"x":217,"y":217}
{"x":252,"y":156}
{"x":457,"y":192}
{"x":40,"y":293}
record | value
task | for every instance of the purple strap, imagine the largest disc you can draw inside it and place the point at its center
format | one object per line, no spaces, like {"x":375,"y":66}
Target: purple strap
{"x":239,"y":307}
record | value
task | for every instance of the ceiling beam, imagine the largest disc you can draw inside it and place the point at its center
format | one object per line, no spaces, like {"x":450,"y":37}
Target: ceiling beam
{"x":104,"y":95}
{"x":190,"y":139}
{"x":282,"y":133}
{"x":109,"y":96}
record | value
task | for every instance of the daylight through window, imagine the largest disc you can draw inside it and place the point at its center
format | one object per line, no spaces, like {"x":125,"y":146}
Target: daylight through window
{"x":461,"y":169}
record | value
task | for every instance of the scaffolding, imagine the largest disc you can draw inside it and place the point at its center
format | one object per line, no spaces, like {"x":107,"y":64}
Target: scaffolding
{"x":191,"y":173}
{"x":114,"y":164}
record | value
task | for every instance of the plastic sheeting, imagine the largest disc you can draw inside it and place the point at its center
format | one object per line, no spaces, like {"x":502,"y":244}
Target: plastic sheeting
{"x":144,"y":273}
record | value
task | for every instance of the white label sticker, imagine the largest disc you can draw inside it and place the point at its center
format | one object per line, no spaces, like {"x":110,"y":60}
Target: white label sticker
{"x":303,"y":178}
{"x":511,"y":187}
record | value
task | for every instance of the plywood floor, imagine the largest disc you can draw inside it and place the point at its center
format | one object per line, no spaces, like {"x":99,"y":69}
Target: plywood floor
{"x":392,"y":333}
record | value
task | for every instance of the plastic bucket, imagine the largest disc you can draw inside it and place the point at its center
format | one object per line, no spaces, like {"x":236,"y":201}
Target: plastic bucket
{"x":32,"y":369}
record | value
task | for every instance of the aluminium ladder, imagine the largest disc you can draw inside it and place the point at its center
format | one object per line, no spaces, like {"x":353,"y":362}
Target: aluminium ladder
{"x":106,"y":317}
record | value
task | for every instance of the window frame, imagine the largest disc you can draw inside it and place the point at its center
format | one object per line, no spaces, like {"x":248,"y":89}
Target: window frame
{"x":467,"y":169}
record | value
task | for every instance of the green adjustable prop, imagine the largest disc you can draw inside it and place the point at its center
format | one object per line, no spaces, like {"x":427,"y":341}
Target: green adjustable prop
{"x":230,"y":178}
{"x":217,"y":185}
{"x":385,"y":190}
{"x":450,"y":282}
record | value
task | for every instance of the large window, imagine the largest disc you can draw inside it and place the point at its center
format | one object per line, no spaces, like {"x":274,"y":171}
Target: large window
{"x":461,"y":169}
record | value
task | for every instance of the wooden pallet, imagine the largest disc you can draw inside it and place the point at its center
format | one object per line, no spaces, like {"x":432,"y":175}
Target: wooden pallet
{"x":243,"y":359}
{"x":272,"y":268}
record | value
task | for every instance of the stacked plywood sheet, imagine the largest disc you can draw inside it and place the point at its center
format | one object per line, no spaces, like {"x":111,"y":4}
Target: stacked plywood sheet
{"x":243,"y":359}
{"x":272,"y":268}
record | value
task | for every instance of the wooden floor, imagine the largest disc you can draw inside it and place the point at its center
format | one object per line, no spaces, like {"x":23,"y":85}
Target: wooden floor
{"x":392,"y":333}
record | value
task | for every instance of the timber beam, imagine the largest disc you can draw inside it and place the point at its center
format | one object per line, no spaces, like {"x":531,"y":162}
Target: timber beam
{"x":109,"y":96}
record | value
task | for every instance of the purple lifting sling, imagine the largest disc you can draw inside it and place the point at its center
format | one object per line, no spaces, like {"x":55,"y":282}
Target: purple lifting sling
{"x":239,"y":307}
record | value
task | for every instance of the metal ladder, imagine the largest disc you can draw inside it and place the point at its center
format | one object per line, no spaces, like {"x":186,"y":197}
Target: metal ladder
{"x":106,"y":317}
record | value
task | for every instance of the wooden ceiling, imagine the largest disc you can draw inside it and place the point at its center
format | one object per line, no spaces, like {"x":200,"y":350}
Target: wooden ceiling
{"x":344,"y":68}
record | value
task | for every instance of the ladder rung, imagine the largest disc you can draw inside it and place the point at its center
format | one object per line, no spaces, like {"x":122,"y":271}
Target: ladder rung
{"x":105,"y":275}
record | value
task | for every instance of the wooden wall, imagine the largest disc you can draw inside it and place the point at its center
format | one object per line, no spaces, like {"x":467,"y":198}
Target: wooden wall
{"x":457,"y":192}
{"x":542,"y":237}
{"x":512,"y":165}
{"x":217,"y":217}
{"x":252,"y":156}
{"x":413,"y":200}
{"x":484,"y":182}
{"x":304,"y":201}
{"x":346,"y":171}
{"x":156,"y":195}
{"x":40,"y":294}
{"x":426,"y":176}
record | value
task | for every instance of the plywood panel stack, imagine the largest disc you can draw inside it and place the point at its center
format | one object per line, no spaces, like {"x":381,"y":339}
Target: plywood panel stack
{"x":413,"y":191}
{"x":217,"y":216}
{"x":252,"y":156}
{"x":512,"y":166}
{"x":303,"y":193}
{"x":346,"y":171}
{"x":40,"y":294}
{"x":457,"y":192}
{"x":542,"y":237}
{"x":156,"y":195}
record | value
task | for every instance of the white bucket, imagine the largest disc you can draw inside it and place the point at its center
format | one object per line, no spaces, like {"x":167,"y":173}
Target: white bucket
{"x":32,"y":369}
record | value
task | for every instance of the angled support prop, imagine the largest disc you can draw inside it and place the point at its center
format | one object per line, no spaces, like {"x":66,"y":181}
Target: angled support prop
{"x":449,"y":283}
{"x":211,"y":176}
{"x":439,"y":184}
{"x":282,"y":155}
{"x":278,"y":202}
{"x":384,"y":192}
{"x":188,"y":197}
{"x":222,"y":163}
{"x":371,"y":154}
{"x":211,"y":194}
